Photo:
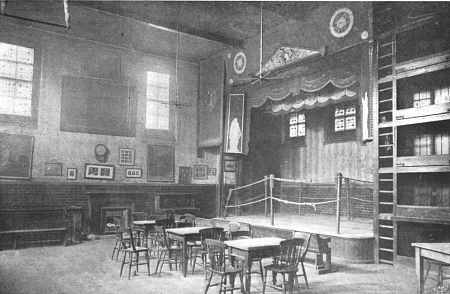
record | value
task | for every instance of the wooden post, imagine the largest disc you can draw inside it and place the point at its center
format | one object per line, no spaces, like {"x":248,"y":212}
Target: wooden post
{"x":338,"y":203}
{"x":347,"y":196}
{"x":266,"y":212}
{"x":272,"y":220}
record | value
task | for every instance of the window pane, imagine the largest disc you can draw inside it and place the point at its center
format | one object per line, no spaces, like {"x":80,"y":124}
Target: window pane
{"x":350,"y":123}
{"x":157,"y":101}
{"x":339,"y":124}
{"x":293,"y":118}
{"x":16,"y":77}
{"x":293,"y":131}
{"x":350,"y":110}
{"x":301,"y":117}
{"x":301,"y":130}
{"x":339,"y":111}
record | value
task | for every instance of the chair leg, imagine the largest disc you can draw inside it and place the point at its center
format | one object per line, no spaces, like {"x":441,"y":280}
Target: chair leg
{"x":123,"y":263}
{"x":232,"y":278}
{"x":131,"y":262}
{"x":221,"y":284}
{"x":291,"y":282}
{"x":137,"y":261}
{"x":283,"y":286}
{"x":261,"y":270}
{"x":304,"y":275}
{"x":241,"y":278}
{"x":164,"y":255}
{"x":208,"y":283}
{"x":264,"y":281}
{"x":147,"y":256}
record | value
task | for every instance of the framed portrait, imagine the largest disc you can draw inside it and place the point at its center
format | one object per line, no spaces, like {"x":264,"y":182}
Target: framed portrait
{"x":53,"y":169}
{"x":126,"y":156}
{"x":16,"y":153}
{"x":133,"y":173}
{"x":235,"y":124}
{"x":71,"y":173}
{"x":200,"y":172}
{"x":98,"y":171}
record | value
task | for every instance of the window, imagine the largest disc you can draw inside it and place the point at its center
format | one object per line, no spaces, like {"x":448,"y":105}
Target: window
{"x":157,"y":116}
{"x":16,"y":80}
{"x":297,"y":125}
{"x":344,"y":118}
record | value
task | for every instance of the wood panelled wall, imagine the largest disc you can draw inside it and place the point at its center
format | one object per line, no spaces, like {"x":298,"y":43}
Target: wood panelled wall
{"x":319,"y":158}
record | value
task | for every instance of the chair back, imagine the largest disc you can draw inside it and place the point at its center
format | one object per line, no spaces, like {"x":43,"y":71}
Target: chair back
{"x":132,"y":244}
{"x":211,"y":233}
{"x":216,"y":254}
{"x":161,"y":236}
{"x":189,"y":218}
{"x":290,"y":251}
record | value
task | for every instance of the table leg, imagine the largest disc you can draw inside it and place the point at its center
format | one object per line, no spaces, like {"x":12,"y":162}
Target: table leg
{"x":248,"y":275}
{"x":419,"y":271}
{"x":185,"y":257}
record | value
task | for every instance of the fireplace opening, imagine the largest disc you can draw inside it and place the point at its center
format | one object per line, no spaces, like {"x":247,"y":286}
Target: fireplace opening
{"x":113,"y":218}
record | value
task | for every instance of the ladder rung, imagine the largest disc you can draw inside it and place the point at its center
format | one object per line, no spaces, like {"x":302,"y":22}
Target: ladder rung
{"x":386,"y":226}
{"x":386,"y":44}
{"x":386,"y":249}
{"x":385,"y":134}
{"x":386,"y":191}
{"x":385,"y":180}
{"x":385,"y":100}
{"x":386,"y":203}
{"x":386,"y":261}
{"x":384,"y":89}
{"x":385,"y":111}
{"x":385,"y":55}
{"x":386,"y":156}
{"x":387,"y":238}
{"x":385,"y":66}
{"x":385,"y":145}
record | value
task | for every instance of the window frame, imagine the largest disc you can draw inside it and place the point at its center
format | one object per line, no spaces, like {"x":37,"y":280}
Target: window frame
{"x":345,"y":135}
{"x":299,"y":140}
{"x":26,"y":121}
{"x":154,"y":131}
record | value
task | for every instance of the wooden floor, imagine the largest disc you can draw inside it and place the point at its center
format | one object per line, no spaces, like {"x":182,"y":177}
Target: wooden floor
{"x":86,"y":268}
{"x":319,"y":224}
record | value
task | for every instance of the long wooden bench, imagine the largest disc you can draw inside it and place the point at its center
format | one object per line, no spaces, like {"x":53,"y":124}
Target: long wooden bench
{"x":30,"y":226}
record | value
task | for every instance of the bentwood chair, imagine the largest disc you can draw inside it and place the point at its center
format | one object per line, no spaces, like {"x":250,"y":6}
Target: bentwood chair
{"x":200,"y":249}
{"x":168,"y":252}
{"x":285,"y":264}
{"x":131,"y":255}
{"x":221,"y":266}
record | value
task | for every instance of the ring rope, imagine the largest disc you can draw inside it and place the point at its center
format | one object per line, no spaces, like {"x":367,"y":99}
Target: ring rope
{"x":248,"y":185}
{"x":248,"y":203}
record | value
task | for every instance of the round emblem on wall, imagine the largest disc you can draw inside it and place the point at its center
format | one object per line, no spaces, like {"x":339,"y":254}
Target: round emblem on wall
{"x":101,"y":152}
{"x":239,"y":62}
{"x":341,"y":22}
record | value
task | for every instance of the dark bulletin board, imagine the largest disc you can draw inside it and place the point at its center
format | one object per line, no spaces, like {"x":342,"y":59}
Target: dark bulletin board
{"x":160,"y":163}
{"x":15,"y":156}
{"x":97,"y":106}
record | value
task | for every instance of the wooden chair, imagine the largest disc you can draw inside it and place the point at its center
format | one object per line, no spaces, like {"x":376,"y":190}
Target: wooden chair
{"x":286,"y":264}
{"x":200,"y":249}
{"x":168,"y":253}
{"x":220,"y":265}
{"x":236,"y":231}
{"x":120,"y":239}
{"x":133,"y":252}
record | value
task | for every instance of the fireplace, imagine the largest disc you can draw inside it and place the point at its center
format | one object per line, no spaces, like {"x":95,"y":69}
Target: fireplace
{"x":118,"y":216}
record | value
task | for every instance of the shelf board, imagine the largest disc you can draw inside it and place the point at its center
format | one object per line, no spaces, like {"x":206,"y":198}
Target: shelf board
{"x":386,"y":170}
{"x":430,"y":113}
{"x":385,"y":216}
{"x":423,"y":65}
{"x":422,"y":169}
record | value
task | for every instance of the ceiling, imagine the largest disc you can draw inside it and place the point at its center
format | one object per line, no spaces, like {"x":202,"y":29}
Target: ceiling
{"x":229,"y":23}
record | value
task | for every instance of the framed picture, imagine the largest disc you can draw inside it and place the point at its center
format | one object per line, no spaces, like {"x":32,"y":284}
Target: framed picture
{"x":16,"y":152}
{"x":200,"y":172}
{"x":126,"y":156}
{"x":161,"y":163}
{"x":229,"y":165}
{"x":133,"y":173}
{"x":212,"y":171}
{"x":71,"y":173}
{"x":235,"y":124}
{"x":98,"y":171}
{"x":53,"y":169}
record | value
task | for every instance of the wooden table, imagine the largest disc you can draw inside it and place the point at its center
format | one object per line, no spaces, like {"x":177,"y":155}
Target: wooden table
{"x":148,"y":225}
{"x":184,"y":235}
{"x":435,"y":251}
{"x":250,"y":249}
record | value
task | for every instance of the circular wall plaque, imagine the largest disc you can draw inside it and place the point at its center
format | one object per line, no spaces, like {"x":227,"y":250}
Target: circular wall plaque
{"x":341,"y":22}
{"x":101,"y":152}
{"x":239,"y":62}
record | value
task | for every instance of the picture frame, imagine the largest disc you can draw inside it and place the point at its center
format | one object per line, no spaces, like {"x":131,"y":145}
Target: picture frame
{"x":98,"y":171}
{"x":200,"y":172}
{"x":126,"y":156}
{"x":53,"y":169}
{"x":229,"y":165}
{"x":235,"y":124}
{"x":212,"y":171}
{"x":16,"y":156}
{"x":72,"y":173}
{"x":133,"y":172}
